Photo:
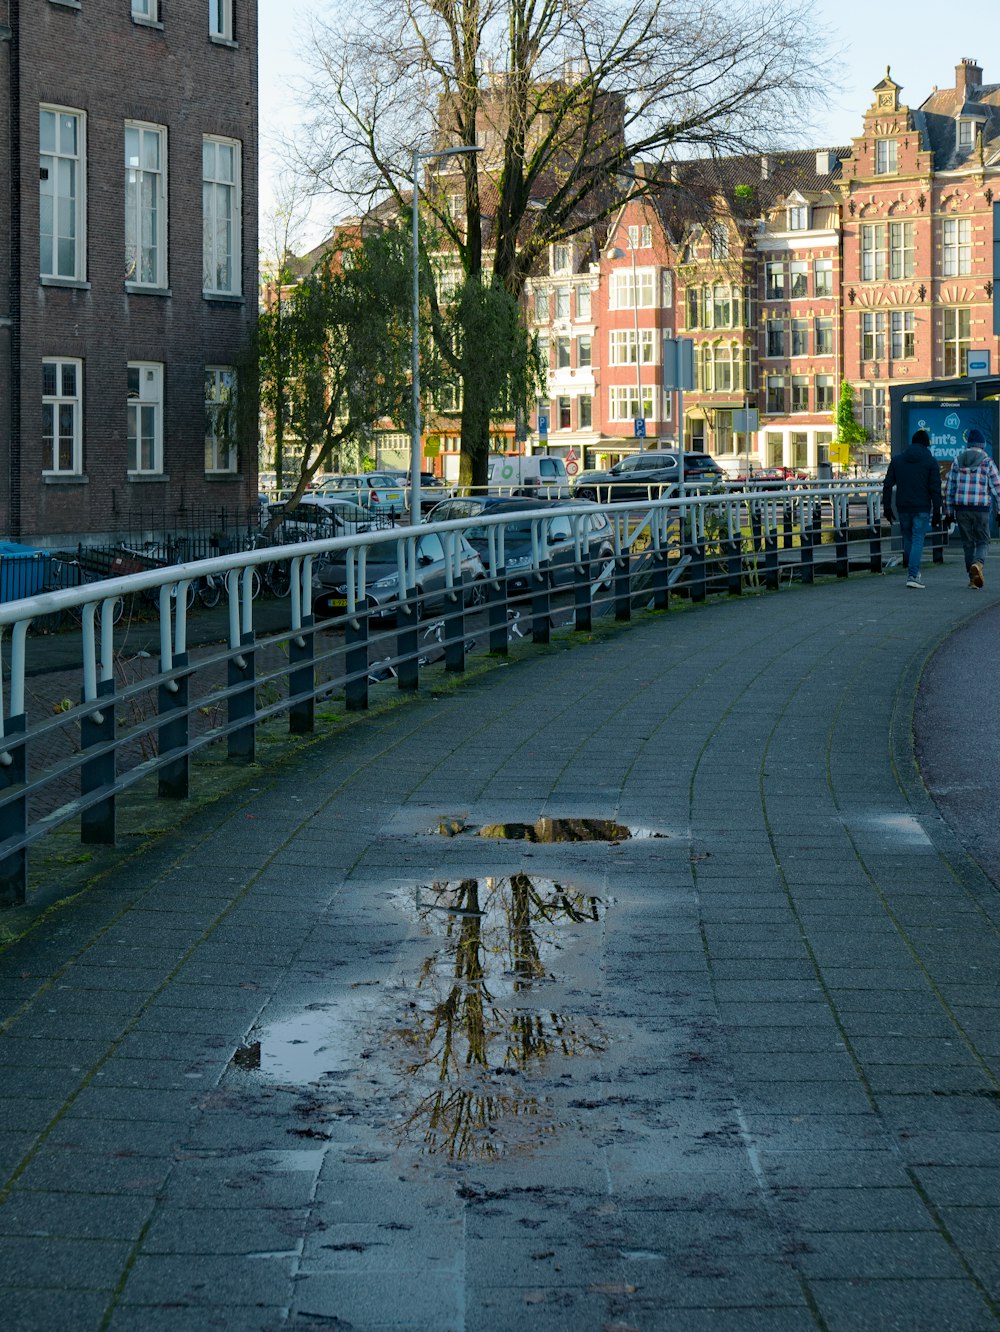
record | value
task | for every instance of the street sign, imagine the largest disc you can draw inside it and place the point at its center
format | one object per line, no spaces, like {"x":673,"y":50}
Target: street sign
{"x":979,"y":363}
{"x":543,"y":425}
{"x":640,"y":427}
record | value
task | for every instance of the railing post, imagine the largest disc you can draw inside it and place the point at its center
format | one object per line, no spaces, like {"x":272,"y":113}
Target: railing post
{"x":302,"y":679}
{"x":541,"y":608}
{"x":97,"y":823}
{"x":174,"y":781}
{"x":496,"y":590}
{"x":243,"y":702}
{"x":454,"y":628}
{"x":14,"y":816}
{"x":734,"y":566}
{"x":623,"y":587}
{"x":407,"y":645}
{"x":583,"y":602}
{"x":356,"y":662}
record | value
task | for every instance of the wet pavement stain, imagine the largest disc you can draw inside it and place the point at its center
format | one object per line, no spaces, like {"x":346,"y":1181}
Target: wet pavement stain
{"x":565,"y":830}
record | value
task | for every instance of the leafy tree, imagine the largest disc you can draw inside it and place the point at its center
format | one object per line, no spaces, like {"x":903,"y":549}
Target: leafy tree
{"x":561,"y":98}
{"x":334,"y":354}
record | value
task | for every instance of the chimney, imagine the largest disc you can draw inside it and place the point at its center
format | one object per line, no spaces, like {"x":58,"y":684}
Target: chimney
{"x":765,"y":167}
{"x":968,"y":77}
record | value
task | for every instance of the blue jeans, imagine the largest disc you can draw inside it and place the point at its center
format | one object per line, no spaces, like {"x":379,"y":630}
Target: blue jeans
{"x":913,"y":528}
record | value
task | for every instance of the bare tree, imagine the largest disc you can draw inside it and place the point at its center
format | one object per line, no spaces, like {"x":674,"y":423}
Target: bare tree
{"x":561,"y":95}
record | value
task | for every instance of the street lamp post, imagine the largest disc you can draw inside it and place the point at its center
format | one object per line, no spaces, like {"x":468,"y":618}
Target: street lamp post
{"x":415,"y":451}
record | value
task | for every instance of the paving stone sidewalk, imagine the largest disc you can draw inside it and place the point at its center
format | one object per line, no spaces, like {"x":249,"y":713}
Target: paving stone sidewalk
{"x":312,"y":1063}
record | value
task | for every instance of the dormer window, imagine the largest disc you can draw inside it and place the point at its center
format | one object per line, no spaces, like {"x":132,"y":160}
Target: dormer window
{"x":886,"y":163}
{"x":798,"y":217}
{"x":966,"y":134}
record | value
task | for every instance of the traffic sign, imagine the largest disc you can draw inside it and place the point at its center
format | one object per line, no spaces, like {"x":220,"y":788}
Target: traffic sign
{"x":640,"y":427}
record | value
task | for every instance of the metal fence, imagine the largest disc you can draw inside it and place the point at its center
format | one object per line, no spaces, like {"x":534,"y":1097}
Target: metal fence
{"x":396,"y":613}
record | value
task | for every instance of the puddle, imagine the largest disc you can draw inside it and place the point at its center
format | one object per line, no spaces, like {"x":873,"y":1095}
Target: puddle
{"x":551,"y":830}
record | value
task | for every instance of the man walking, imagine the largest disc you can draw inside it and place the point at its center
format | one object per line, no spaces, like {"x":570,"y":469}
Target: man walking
{"x":971,"y":491}
{"x":917,"y":479}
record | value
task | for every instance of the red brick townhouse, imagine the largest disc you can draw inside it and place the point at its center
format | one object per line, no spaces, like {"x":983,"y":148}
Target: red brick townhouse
{"x":128,"y":261}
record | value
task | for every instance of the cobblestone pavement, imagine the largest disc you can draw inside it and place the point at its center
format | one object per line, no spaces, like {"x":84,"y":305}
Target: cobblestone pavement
{"x":328,"y":1058}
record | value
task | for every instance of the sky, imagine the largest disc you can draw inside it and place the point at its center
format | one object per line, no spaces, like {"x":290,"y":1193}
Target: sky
{"x":920,"y":46}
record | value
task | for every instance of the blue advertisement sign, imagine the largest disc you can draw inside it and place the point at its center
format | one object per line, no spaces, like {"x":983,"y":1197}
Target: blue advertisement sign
{"x":948,"y":426}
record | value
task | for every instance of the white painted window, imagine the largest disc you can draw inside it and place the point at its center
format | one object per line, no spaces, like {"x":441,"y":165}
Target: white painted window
{"x":220,"y":418}
{"x":221,"y":204}
{"x":957,"y":245}
{"x":220,"y":19}
{"x":62,"y":416}
{"x":145,"y":205}
{"x":145,"y":417}
{"x":62,"y":192}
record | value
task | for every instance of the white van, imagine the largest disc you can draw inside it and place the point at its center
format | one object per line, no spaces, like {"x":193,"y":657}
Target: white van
{"x":539,"y":477}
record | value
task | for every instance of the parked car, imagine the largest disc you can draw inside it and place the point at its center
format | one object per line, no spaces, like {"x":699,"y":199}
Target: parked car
{"x":517,"y":534}
{"x":646,"y":476}
{"x":382,"y":578}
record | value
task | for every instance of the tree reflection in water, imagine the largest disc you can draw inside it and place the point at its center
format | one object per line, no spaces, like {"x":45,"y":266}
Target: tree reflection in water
{"x":460,"y":1037}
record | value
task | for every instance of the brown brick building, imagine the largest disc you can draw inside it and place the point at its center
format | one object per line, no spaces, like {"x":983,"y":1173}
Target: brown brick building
{"x":128,"y":262}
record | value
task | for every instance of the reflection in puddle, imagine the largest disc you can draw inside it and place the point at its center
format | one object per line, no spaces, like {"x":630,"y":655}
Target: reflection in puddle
{"x":566,"y":830}
{"x":473,"y":1022}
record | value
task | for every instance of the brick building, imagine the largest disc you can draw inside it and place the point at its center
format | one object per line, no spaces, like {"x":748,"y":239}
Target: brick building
{"x":129,"y":258}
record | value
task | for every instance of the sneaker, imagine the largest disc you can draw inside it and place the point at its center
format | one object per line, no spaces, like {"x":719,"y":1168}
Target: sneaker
{"x":976,"y":575}
{"x":915,"y":582}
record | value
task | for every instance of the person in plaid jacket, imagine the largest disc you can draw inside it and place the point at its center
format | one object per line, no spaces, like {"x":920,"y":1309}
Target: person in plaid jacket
{"x":971,"y":491}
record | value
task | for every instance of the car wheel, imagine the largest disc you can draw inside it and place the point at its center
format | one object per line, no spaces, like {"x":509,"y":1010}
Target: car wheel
{"x":476,"y":595}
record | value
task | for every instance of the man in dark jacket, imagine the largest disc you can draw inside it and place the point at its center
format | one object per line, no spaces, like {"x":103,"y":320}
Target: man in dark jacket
{"x":917,"y":481}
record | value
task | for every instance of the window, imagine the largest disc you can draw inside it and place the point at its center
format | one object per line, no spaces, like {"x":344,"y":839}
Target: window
{"x":561,"y":257}
{"x":900,"y":250}
{"x":885,"y":157}
{"x":145,"y":205}
{"x":563,"y":413}
{"x":220,"y":20}
{"x":145,"y":417}
{"x":583,"y":302}
{"x":220,"y":421}
{"x":957,"y":246}
{"x":221,"y":216}
{"x":666,"y":288}
{"x":872,"y":251}
{"x":62,"y":193}
{"x":693,"y":307}
{"x":62,"y":424}
{"x":774,"y":282}
{"x":824,"y":393}
{"x":823,"y":277}
{"x":799,"y":284}
{"x":583,"y":351}
{"x":562,"y":302}
{"x":775,"y":337}
{"x":902,"y":335}
{"x":147,"y":11}
{"x":800,"y":337}
{"x":585,"y":412}
{"x":541,"y":307}
{"x":798,"y":217}
{"x":623,"y":402}
{"x":624,"y":291}
{"x":872,"y":337}
{"x":720,"y":241}
{"x":623,"y":346}
{"x":956,"y":329}
{"x":775,"y":395}
{"x":824,"y":336}
{"x":800,"y":393}
{"x":562,"y":354}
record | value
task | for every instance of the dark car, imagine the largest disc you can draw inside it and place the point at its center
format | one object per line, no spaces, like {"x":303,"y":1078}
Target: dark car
{"x":518,"y":551}
{"x":646,"y":476}
{"x":381,"y":590}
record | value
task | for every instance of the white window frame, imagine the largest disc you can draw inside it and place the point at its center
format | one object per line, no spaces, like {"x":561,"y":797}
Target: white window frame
{"x":58,"y":401}
{"x":150,"y":394}
{"x":51,"y":163}
{"x":220,"y":447}
{"x":139,"y":222}
{"x":212,"y":185}
{"x":956,"y":246}
{"x":220,"y":20}
{"x":886,"y":157}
